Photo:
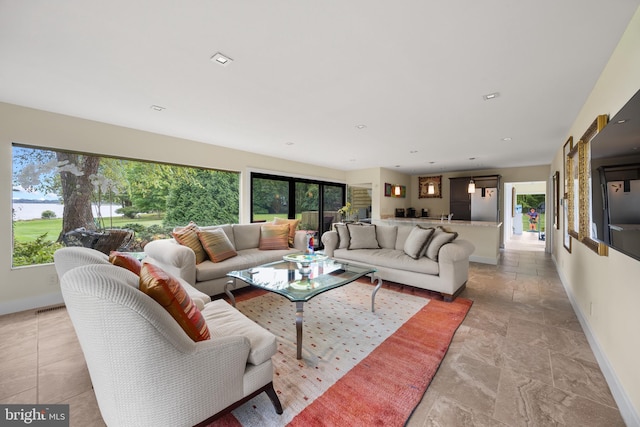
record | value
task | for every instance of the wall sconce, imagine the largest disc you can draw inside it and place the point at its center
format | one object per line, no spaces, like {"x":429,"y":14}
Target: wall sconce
{"x":431,"y":189}
{"x":397,"y":190}
{"x":472,"y":186}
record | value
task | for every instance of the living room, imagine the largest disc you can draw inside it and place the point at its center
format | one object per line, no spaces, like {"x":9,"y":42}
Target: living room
{"x":602,"y":289}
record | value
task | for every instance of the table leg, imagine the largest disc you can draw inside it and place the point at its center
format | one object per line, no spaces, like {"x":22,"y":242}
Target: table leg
{"x":231,"y":282}
{"x":375,"y":290}
{"x":299,"y":305}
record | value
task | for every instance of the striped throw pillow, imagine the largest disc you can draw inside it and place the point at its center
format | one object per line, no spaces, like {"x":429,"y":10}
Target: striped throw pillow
{"x":216,"y":244}
{"x":169,"y":293}
{"x":274,"y":237}
{"x":188,"y":236}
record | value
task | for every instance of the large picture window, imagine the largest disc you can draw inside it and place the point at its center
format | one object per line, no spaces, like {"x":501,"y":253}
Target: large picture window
{"x":314,"y":203}
{"x":107,"y":203}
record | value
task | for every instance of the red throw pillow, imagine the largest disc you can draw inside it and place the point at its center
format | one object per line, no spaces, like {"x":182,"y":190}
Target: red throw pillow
{"x":124,"y":260}
{"x":170,"y":294}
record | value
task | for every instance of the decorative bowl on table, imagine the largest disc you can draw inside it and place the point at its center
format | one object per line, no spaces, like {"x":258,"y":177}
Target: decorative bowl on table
{"x":304,"y":261}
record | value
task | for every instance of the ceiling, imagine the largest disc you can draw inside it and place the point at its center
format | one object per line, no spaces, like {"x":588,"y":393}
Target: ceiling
{"x":305,"y":74}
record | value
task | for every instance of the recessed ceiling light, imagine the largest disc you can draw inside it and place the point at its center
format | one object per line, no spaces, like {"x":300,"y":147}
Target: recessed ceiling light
{"x":508,"y":138}
{"x":472,"y":158}
{"x":288,"y":143}
{"x":221,"y":59}
{"x":619,"y":122}
{"x":489,"y":96}
{"x":396,"y":166}
{"x":361,"y":126}
{"x":413,"y":151}
{"x":157,"y":108}
{"x":431,"y":163}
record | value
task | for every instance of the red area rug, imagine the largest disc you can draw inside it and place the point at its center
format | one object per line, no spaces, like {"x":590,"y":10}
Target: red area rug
{"x":387,"y":384}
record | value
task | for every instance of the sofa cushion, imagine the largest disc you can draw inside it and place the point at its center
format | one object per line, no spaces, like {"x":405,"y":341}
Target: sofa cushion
{"x":417,"y":241}
{"x":188,"y":236}
{"x":246,"y":259}
{"x":168,"y":292}
{"x":424,"y":249}
{"x":293,"y":226}
{"x":362,"y":237}
{"x":273,"y":237}
{"x":217,"y":245}
{"x":440,"y":237}
{"x":390,"y":259}
{"x":246,"y":236}
{"x":343,"y":236}
{"x":229,"y":321}
{"x":125,"y":260}
{"x":386,"y":236}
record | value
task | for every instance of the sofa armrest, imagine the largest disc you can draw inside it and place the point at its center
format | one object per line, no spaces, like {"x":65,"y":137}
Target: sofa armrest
{"x":300,"y":240}
{"x":330,"y":241}
{"x":457,"y":250}
{"x":173,"y":258}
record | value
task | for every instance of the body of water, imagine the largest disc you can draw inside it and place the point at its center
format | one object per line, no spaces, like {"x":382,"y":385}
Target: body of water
{"x":24,"y":211}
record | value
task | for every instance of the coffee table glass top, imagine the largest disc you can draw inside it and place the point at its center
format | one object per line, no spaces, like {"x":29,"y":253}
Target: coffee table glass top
{"x":301,"y":281}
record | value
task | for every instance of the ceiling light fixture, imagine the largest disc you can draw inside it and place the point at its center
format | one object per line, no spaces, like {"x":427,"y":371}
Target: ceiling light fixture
{"x":221,"y":59}
{"x":508,"y":138}
{"x":472,"y":186}
{"x":361,"y":126}
{"x":157,"y":108}
{"x":489,"y":96}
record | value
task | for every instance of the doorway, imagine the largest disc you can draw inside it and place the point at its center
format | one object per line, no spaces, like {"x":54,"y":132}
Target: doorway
{"x":518,"y":232}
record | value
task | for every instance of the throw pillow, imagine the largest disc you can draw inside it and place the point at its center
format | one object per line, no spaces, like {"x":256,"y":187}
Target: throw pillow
{"x":216,"y":244}
{"x":424,"y":249}
{"x":293,"y":226}
{"x":440,"y":238}
{"x":417,"y":240}
{"x":274,"y":237}
{"x":188,"y":236}
{"x":170,"y":294}
{"x":343,"y":236}
{"x":362,"y":237}
{"x":124,"y":260}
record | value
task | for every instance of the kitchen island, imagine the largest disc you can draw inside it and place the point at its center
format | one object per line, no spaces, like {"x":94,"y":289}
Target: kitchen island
{"x":485,"y":235}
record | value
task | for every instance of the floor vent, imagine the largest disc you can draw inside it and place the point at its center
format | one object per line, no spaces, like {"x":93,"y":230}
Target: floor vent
{"x":48,"y":309}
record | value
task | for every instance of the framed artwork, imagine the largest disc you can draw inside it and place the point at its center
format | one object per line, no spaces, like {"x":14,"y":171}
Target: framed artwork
{"x":395,"y":190}
{"x":566,"y":167}
{"x":556,"y":199}
{"x":435,"y":182}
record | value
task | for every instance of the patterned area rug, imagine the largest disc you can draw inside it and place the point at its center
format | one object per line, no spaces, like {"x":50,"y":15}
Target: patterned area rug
{"x":358,"y":367}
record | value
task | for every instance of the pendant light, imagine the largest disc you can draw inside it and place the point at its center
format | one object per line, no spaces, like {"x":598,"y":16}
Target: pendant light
{"x":472,"y":186}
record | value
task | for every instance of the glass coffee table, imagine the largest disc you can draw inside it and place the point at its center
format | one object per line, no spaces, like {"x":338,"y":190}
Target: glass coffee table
{"x":300,"y":278}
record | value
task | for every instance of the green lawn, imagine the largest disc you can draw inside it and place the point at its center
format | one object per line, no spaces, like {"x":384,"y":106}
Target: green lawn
{"x":29,"y":230}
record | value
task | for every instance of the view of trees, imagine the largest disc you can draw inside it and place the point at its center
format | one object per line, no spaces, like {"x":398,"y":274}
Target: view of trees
{"x":84,"y":182}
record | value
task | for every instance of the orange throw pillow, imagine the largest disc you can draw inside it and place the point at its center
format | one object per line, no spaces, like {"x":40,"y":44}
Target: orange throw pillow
{"x":188,"y":236}
{"x":217,"y":245}
{"x":274,"y":237}
{"x":293,"y":226}
{"x":170,"y":294}
{"x":124,"y":260}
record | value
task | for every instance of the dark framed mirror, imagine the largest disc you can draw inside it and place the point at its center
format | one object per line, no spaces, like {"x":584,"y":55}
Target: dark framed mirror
{"x":615,"y":181}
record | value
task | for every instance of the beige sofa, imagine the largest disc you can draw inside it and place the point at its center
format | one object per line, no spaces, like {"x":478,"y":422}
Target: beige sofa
{"x":210,"y":277}
{"x":434,"y":266}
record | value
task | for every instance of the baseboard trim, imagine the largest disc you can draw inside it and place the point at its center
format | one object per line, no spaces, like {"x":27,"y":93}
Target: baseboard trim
{"x":483,"y":259}
{"x":31,"y":303}
{"x":627,"y":410}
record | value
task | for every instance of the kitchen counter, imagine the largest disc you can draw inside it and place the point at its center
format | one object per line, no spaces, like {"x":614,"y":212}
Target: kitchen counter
{"x":485,"y":235}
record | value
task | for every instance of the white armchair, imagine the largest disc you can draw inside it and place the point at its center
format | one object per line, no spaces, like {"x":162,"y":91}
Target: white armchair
{"x":145,"y":369}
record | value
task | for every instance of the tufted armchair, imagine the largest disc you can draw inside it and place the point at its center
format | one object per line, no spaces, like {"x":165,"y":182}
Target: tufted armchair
{"x":145,"y":369}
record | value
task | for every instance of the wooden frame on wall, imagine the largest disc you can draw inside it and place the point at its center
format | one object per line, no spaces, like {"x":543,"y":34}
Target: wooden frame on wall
{"x":566,"y":237}
{"x":556,"y":199}
{"x":585,"y":217}
{"x":423,"y":187}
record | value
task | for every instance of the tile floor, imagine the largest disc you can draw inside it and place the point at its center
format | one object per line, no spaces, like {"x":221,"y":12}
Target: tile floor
{"x":520,"y":357}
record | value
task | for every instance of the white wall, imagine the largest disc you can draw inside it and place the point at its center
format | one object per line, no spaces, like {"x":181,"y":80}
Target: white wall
{"x":606,"y":290}
{"x":28,"y":287}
